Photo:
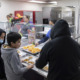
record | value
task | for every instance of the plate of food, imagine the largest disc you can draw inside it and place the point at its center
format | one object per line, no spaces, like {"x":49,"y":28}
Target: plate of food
{"x":31,"y":49}
{"x":46,"y":68}
{"x":29,"y":59}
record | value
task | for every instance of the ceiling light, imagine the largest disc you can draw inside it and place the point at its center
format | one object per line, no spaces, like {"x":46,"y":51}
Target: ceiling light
{"x":54,"y":2}
{"x":37,"y":1}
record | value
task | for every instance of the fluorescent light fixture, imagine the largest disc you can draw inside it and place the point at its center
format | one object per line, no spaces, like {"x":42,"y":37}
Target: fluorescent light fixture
{"x":54,"y":2}
{"x":37,"y":1}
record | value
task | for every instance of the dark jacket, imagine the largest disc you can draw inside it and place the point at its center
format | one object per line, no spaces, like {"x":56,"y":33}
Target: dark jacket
{"x":2,"y":71}
{"x":62,"y":53}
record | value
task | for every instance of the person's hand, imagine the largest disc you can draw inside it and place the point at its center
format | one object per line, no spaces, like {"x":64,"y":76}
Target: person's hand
{"x":36,"y":44}
{"x":30,"y":66}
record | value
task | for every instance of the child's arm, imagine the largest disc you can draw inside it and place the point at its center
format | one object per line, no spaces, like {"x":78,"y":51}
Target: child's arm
{"x":16,"y":65}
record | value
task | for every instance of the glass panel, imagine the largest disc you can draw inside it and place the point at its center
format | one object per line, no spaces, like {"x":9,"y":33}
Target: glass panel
{"x":40,"y":30}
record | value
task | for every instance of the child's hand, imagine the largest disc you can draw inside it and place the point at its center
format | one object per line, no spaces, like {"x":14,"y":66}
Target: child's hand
{"x":30,"y":66}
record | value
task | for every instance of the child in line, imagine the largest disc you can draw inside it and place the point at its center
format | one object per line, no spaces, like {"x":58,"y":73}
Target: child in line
{"x":2,"y":41}
{"x":13,"y":68}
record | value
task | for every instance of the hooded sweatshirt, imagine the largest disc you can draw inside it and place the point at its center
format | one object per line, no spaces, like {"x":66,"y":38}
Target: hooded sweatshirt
{"x":2,"y":71}
{"x":13,"y":67}
{"x":62,"y":54}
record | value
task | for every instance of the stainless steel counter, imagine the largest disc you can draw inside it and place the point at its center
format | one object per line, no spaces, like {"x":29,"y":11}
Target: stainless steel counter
{"x":24,"y":54}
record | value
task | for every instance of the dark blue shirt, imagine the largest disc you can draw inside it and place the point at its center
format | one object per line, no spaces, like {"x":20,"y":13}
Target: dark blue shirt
{"x":45,"y":38}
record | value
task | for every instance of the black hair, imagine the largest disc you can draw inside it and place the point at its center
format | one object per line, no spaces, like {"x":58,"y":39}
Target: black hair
{"x":2,"y":31}
{"x":8,"y":16}
{"x":27,"y":16}
{"x":53,"y":21}
{"x":13,"y":37}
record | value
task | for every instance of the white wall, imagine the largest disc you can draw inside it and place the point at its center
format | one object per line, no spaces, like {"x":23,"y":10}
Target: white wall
{"x":10,"y":6}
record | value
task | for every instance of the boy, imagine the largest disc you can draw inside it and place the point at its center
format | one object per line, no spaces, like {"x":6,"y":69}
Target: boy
{"x":13,"y":68}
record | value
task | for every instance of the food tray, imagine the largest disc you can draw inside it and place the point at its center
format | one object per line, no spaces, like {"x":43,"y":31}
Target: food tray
{"x":29,"y":59}
{"x":46,"y":68}
{"x":26,"y":50}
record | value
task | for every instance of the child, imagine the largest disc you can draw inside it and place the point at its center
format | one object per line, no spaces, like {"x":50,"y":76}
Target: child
{"x":13,"y":68}
{"x":2,"y":41}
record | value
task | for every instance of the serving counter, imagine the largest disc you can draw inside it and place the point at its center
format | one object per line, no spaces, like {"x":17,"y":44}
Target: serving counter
{"x":25,"y":55}
{"x":34,"y":34}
